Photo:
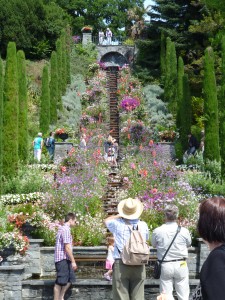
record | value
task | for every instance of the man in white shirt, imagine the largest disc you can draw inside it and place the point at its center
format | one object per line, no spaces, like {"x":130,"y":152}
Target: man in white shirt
{"x":174,"y":267}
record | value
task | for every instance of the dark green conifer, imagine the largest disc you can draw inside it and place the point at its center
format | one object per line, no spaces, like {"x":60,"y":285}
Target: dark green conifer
{"x":222,"y":113}
{"x":68,"y":53}
{"x":23,"y":121}
{"x":163,"y":54}
{"x":1,"y":119}
{"x":60,"y":73}
{"x":10,"y":113}
{"x":64,"y":62}
{"x":45,"y":102}
{"x":53,"y":88}
{"x":211,"y":150}
{"x":180,"y":74}
{"x":170,"y":88}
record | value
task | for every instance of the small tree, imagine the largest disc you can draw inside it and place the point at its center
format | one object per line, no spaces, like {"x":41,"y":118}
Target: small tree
{"x":163,"y":54}
{"x":45,"y":102}
{"x":23,"y":121}
{"x":211,"y":150}
{"x":10,"y":114}
{"x":53,"y":88}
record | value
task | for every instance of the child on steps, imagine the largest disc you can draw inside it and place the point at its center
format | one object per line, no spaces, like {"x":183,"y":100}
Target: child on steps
{"x":109,"y":260}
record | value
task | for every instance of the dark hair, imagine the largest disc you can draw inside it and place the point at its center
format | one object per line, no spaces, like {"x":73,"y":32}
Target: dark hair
{"x":70,"y":216}
{"x":50,"y":133}
{"x":211,"y":223}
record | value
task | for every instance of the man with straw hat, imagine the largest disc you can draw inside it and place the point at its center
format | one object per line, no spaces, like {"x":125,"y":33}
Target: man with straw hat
{"x":128,"y":281}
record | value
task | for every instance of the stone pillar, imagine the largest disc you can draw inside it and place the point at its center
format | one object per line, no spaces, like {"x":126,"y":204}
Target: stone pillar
{"x":33,"y":267}
{"x":11,"y":282}
{"x":87,"y":38}
{"x":62,"y":149}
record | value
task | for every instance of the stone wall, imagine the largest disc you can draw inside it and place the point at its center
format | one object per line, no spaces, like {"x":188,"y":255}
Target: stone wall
{"x":15,"y":271}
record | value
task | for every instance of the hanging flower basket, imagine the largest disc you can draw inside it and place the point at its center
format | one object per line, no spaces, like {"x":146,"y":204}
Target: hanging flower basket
{"x":62,"y":134}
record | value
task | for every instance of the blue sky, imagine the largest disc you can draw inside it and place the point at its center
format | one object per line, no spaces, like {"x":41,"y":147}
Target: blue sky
{"x":148,"y":2}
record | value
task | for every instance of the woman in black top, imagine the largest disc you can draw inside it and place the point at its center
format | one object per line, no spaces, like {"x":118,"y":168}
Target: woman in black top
{"x":211,"y":227}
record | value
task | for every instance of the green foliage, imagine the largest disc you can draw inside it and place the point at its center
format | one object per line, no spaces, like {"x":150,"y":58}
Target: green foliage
{"x":82,"y":57}
{"x":32,"y":25}
{"x":45,"y":102}
{"x":211,"y":151}
{"x":180,"y":74}
{"x":128,"y":42}
{"x":222,"y":113}
{"x":64,"y":62}
{"x":10,"y":114}
{"x":60,"y":73}
{"x":1,"y":119}
{"x":53,"y":88}
{"x":23,"y":121}
{"x":170,"y":87}
{"x":185,"y":114}
{"x":26,"y":181}
{"x":71,"y":103}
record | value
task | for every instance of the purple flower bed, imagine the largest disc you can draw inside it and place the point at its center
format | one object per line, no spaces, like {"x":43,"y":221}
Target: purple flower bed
{"x":129,"y":104}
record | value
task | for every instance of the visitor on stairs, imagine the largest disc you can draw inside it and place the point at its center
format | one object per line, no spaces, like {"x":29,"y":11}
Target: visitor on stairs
{"x":64,"y":261}
{"x":109,"y":260}
{"x":38,"y":145}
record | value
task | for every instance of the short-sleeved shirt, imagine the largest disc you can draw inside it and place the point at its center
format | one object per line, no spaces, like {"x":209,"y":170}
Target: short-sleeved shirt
{"x":121,"y":232}
{"x":63,"y":237}
{"x":162,"y":237}
{"x":37,"y":143}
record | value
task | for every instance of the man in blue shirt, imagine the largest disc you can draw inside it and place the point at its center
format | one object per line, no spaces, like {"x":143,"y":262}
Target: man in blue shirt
{"x":128,"y":281}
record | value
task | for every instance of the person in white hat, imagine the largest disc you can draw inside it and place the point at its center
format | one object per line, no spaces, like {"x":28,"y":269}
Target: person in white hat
{"x":128,"y":281}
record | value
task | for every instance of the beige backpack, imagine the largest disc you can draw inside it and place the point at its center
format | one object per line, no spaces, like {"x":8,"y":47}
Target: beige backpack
{"x":136,"y":251}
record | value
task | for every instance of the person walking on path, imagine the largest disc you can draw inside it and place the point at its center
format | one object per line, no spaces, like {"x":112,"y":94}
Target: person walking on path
{"x":174,"y":268}
{"x":38,"y":145}
{"x":64,"y":261}
{"x":50,"y":145}
{"x":109,"y":260}
{"x":128,"y":281}
{"x":108,"y":35}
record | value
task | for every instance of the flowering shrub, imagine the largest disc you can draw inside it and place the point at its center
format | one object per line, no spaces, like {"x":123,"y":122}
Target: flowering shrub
{"x":14,"y":239}
{"x":22,"y":198}
{"x":60,"y":131}
{"x":89,"y":231}
{"x":129,"y":104}
{"x":167,"y":135}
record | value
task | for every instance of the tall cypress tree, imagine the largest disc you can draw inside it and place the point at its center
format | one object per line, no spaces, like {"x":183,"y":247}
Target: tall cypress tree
{"x":64,"y":62}
{"x":53,"y":88}
{"x":211,"y":150}
{"x":180,"y":74}
{"x":170,"y":89}
{"x":68,"y":53}
{"x":185,"y":113}
{"x":23,"y":121}
{"x":10,"y":115}
{"x":163,"y":54}
{"x":45,"y":102}
{"x":222,"y":113}
{"x":1,"y":119}
{"x":60,"y":73}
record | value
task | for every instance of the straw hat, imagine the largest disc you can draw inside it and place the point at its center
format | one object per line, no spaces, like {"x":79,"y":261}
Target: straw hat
{"x":130,"y":209}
